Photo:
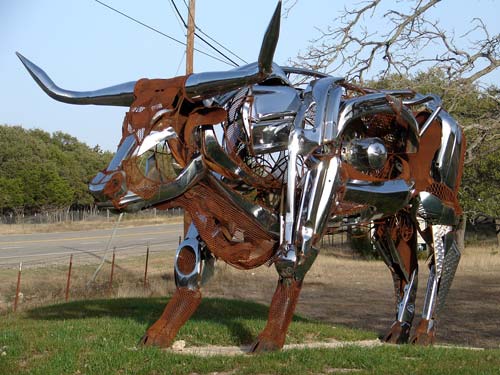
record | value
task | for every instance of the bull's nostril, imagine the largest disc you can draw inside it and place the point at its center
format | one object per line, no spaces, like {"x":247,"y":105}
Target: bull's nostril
{"x":115,"y":186}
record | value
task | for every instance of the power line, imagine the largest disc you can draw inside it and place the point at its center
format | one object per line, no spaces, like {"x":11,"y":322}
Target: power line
{"x":158,"y":31}
{"x":215,"y":41}
{"x":181,"y":26}
{"x":201,"y":38}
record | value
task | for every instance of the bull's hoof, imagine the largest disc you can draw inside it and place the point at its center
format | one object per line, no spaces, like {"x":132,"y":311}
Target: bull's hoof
{"x":425,"y":334}
{"x":263,"y":345}
{"x":155,"y":339}
{"x":398,"y":334}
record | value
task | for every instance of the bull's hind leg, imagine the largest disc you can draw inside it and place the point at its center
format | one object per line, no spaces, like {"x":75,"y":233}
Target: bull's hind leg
{"x":193,"y":266}
{"x":444,"y":262}
{"x":396,"y":241}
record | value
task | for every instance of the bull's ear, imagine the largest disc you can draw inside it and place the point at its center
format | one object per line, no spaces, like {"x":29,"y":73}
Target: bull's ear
{"x":207,"y":85}
{"x":119,"y":95}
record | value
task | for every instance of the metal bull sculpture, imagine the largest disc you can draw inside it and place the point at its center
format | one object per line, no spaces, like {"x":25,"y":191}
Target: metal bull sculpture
{"x":263,"y":167}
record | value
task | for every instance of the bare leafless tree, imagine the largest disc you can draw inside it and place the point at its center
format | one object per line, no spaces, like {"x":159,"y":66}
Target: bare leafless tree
{"x":402,"y":44}
{"x":410,"y":40}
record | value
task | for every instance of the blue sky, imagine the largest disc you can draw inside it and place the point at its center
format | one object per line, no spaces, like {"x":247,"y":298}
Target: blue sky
{"x":83,"y":46}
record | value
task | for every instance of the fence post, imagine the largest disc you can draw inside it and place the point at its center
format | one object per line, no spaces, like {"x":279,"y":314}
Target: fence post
{"x":112,"y":271}
{"x":146,"y":268}
{"x":66,"y":297}
{"x":18,"y":287}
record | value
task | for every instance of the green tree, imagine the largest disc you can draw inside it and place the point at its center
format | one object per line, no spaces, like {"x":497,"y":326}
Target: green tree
{"x":39,"y":171}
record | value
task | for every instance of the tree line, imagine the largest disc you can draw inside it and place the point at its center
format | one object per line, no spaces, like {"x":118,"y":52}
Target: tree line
{"x":40,"y":171}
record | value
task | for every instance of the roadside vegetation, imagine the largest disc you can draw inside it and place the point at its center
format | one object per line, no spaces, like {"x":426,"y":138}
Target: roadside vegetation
{"x":40,"y":171}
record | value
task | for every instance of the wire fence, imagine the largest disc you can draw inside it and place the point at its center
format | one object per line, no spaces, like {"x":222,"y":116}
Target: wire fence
{"x":143,"y":268}
{"x":87,"y":214}
{"x":69,"y":274}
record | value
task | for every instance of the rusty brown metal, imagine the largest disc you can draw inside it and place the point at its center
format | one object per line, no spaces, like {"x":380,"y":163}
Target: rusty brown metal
{"x":179,"y":309}
{"x":281,"y":311}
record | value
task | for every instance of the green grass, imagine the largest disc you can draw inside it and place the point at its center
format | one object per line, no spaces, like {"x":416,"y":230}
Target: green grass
{"x":99,"y":337}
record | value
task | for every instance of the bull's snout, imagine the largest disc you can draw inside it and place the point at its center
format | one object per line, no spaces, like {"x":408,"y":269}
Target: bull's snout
{"x":108,"y":188}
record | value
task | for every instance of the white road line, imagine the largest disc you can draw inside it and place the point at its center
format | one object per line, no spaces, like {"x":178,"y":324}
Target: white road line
{"x":10,"y":247}
{"x":90,"y":243}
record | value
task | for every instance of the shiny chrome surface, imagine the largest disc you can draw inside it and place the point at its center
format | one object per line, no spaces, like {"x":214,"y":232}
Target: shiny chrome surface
{"x":433,"y":210}
{"x":263,"y":216}
{"x":365,"y":153}
{"x":386,"y":247}
{"x":430,"y":295}
{"x":190,"y":176}
{"x":119,"y":95}
{"x":385,"y":198}
{"x":270,"y":117}
{"x":206,"y":85}
{"x":370,"y":104}
{"x":98,"y":183}
{"x":270,"y":136}
{"x":153,"y":139}
{"x":304,"y":72}
{"x":438,"y":234}
{"x":428,"y":122}
{"x":450,"y":265}
{"x":442,"y":272}
{"x":191,"y":280}
{"x":406,"y":307}
{"x":319,"y":196}
{"x":215,"y":153}
{"x":450,"y":154}
{"x":273,"y":102}
{"x":318,"y":116}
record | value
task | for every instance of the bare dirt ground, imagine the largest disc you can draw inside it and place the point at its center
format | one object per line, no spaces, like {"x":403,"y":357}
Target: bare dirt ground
{"x":359,"y":294}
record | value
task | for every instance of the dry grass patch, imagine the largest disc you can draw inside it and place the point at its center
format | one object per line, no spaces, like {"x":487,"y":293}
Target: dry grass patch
{"x":80,"y":226}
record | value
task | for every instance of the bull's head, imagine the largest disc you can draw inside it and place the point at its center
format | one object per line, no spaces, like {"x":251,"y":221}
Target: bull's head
{"x":155,"y":160}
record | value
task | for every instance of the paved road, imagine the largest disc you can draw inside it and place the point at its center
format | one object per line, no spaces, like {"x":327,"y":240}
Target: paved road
{"x":50,"y":247}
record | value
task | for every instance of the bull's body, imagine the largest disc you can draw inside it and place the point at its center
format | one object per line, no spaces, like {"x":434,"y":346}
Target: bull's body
{"x":263,"y":167}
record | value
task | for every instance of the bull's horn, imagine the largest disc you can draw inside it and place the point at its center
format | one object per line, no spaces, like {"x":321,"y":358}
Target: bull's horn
{"x":270,"y":42}
{"x":207,"y":85}
{"x":119,"y":95}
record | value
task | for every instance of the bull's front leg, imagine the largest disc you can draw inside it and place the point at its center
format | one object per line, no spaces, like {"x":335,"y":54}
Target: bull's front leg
{"x":193,"y":266}
{"x":395,"y":239}
{"x":303,"y":227}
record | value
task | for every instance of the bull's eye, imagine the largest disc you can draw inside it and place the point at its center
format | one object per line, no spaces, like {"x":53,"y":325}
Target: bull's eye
{"x":158,"y":164}
{"x":153,"y":139}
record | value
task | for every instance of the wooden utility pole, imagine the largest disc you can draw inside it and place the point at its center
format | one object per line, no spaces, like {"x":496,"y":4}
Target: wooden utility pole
{"x":189,"y":70}
{"x":190,"y":37}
